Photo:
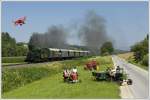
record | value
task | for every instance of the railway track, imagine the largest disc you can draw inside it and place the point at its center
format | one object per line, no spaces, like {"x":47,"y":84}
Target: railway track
{"x":31,"y":64}
{"x":25,"y":65}
{"x":14,"y":65}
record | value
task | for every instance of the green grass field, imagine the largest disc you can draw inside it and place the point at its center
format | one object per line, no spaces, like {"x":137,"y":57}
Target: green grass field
{"x":54,"y":87}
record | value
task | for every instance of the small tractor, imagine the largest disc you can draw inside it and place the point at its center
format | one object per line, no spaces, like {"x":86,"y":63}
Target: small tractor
{"x":91,"y":65}
{"x":118,"y":76}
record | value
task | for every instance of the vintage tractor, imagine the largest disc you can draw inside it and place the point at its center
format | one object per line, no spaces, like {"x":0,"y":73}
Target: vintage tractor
{"x":91,"y":65}
{"x":110,"y":75}
{"x":101,"y":76}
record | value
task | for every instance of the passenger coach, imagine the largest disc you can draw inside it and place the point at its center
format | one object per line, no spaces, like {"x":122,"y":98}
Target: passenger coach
{"x":50,"y":54}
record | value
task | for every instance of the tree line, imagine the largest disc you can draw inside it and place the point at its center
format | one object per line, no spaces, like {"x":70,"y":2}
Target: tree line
{"x":140,"y":50}
{"x":11,"y":48}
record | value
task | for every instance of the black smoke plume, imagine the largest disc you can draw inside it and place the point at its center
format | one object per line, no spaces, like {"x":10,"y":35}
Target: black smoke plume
{"x":55,"y":37}
{"x":93,"y":31}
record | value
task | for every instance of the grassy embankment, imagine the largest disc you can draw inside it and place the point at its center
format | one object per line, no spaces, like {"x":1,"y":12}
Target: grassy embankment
{"x":53,"y":86}
{"x":13,"y":60}
{"x":130,"y":58}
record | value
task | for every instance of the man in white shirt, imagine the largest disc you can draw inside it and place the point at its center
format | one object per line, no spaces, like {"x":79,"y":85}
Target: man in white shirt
{"x":74,"y":69}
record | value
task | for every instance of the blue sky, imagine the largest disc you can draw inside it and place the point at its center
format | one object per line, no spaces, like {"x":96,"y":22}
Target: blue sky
{"x":126,"y":22}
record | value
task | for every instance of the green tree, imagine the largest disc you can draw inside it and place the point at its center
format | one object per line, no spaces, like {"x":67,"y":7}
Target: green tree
{"x":107,"y":48}
{"x":8,"y":45}
{"x":11,"y":48}
{"x":140,"y":49}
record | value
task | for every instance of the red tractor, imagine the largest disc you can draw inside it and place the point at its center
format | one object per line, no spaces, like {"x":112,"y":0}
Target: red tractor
{"x":91,"y":65}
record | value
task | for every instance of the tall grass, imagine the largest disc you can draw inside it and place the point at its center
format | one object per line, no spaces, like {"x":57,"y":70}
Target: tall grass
{"x":16,"y":77}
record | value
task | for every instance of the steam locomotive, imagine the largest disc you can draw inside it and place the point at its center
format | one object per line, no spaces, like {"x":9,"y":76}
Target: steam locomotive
{"x":50,"y":54}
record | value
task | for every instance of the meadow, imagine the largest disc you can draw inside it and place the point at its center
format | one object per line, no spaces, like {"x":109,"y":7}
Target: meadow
{"x":51,"y":85}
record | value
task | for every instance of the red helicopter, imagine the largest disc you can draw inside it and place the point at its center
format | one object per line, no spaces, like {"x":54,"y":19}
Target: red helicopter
{"x":20,"y":21}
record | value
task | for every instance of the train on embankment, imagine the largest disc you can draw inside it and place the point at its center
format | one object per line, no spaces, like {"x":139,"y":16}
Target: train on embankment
{"x":52,"y":54}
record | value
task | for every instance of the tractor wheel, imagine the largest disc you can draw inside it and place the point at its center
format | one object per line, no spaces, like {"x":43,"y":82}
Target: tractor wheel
{"x":108,"y":79}
{"x":120,"y":83}
{"x":129,"y":82}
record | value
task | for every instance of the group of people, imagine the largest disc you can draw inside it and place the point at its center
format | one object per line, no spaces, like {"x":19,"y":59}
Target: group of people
{"x":70,"y":75}
{"x":114,"y":73}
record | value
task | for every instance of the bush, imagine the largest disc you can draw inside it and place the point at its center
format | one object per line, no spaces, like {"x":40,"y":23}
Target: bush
{"x":145,"y":60}
{"x":13,"y":59}
{"x":16,"y":77}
